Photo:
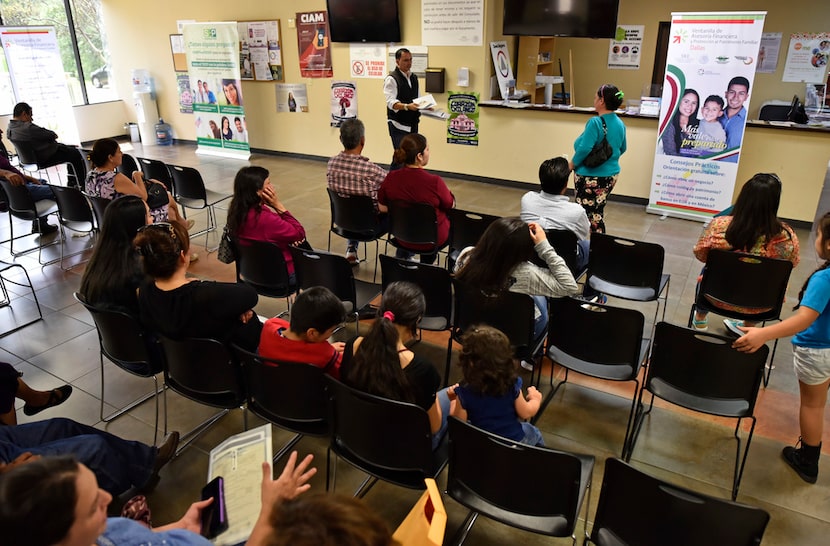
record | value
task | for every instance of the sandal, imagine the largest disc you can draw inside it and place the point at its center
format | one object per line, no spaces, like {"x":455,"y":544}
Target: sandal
{"x":56,"y":397}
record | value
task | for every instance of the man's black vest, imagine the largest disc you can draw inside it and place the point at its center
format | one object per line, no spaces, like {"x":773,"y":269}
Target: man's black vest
{"x":406,"y":94}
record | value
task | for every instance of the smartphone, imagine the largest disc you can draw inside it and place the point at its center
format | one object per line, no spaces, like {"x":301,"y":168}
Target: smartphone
{"x":214,"y":517}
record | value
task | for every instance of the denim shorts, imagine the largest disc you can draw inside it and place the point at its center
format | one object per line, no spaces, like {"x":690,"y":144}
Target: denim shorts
{"x":812,"y":366}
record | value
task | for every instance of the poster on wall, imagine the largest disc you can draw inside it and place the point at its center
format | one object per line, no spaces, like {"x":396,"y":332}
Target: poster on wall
{"x":807,"y":58}
{"x":768,"y":52}
{"x":260,"y":53}
{"x":452,"y":22}
{"x":710,"y":66}
{"x":313,"y":44}
{"x":624,"y":50}
{"x":462,"y":125}
{"x":367,"y":61}
{"x":185,"y":94}
{"x":343,"y":102}
{"x":504,"y":72}
{"x":292,"y":97}
{"x":33,"y":58}
{"x":218,"y":105}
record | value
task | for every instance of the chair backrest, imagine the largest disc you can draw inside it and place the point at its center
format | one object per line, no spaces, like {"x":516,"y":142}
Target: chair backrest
{"x":128,"y":165}
{"x":746,"y":281}
{"x":571,"y":318}
{"x":564,"y":243}
{"x":292,"y":395}
{"x":157,"y":170}
{"x":510,"y":312}
{"x":262,"y":265}
{"x":21,"y":204}
{"x":435,"y":282}
{"x":25,"y":153}
{"x":74,"y":211}
{"x":626,"y":262}
{"x":380,"y":434}
{"x":99,"y":207}
{"x":203,"y":370}
{"x":426,"y":522}
{"x":702,"y":371}
{"x":466,"y":228}
{"x":319,"y":268}
{"x":551,"y":506}
{"x":123,"y":340}
{"x":353,"y":216}
{"x":414,"y":223}
{"x":635,"y":508}
{"x":188,"y":183}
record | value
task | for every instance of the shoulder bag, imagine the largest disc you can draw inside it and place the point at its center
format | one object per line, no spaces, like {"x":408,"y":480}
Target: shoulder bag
{"x":225,"y":252}
{"x":601,"y":151}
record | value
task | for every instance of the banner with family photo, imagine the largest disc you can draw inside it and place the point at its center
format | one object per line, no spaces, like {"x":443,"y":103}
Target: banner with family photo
{"x":218,"y":111}
{"x":710,"y":66}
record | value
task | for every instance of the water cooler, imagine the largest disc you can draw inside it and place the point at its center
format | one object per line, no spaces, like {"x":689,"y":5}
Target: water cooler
{"x":145,"y":105}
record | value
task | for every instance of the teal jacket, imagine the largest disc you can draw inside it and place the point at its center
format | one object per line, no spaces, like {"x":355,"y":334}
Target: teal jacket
{"x":591,"y":136}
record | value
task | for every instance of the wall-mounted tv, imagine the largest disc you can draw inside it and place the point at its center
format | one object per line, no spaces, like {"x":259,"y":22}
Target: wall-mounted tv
{"x":364,"y":20}
{"x":575,"y":18}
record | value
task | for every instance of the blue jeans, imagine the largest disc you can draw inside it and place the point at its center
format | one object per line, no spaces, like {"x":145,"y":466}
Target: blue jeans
{"x":583,"y":248}
{"x":118,"y":464}
{"x":540,"y":324}
{"x":444,"y":403}
{"x":533,"y":436}
{"x":39,"y":192}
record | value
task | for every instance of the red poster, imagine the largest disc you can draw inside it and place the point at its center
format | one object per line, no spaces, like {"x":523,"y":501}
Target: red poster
{"x":313,"y":44}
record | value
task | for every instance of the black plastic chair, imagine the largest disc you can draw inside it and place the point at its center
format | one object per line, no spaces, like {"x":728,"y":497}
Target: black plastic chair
{"x":154,"y":169}
{"x":466,"y":228}
{"x":190,"y":192}
{"x":318,"y":268}
{"x":564,"y":242}
{"x":75,"y":213}
{"x":413,"y":223}
{"x":30,"y":162}
{"x":628,"y":269}
{"x":482,"y":477}
{"x":128,"y":166}
{"x":510,"y":312}
{"x":746,"y":281}
{"x":262,"y":265}
{"x":205,"y":371}
{"x":635,"y":508}
{"x":355,"y":217}
{"x":18,"y":320}
{"x":619,"y":357}
{"x":290,"y":395}
{"x":126,"y":344}
{"x":22,"y":206}
{"x":702,"y":372}
{"x":99,"y":207}
{"x":387,"y":439}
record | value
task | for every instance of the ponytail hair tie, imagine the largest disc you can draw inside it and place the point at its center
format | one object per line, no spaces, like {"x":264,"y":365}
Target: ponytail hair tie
{"x":389,"y":315}
{"x":619,"y":95}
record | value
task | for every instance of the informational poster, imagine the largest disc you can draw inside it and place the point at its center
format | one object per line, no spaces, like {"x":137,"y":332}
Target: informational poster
{"x":710,"y":67}
{"x":807,"y":58}
{"x":624,"y":50}
{"x":452,"y":22}
{"x":420,"y":59}
{"x":462,"y":125}
{"x":213,"y":64}
{"x":343,"y":102}
{"x":313,"y":44}
{"x":292,"y":97}
{"x":260,"y":51}
{"x":504,"y":71}
{"x":185,"y":94}
{"x":768,"y":52}
{"x":367,"y":61}
{"x":34,"y":62}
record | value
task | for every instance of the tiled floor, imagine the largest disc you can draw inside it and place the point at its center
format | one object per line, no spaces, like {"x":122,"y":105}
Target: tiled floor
{"x":586,"y":416}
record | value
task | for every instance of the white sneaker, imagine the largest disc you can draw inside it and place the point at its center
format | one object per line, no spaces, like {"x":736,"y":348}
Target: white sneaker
{"x":351,"y":256}
{"x":526,"y":365}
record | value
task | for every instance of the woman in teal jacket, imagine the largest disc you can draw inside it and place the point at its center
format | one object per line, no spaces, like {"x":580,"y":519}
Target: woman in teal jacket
{"x":593,"y":184}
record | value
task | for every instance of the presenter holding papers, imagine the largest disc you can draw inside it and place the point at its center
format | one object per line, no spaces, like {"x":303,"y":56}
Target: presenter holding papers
{"x":401,"y":90}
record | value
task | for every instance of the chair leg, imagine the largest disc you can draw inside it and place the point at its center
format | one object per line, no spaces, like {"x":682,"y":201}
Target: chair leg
{"x":364,"y":488}
{"x":449,"y":360}
{"x":739,"y":470}
{"x":288,"y":447}
{"x":639,"y":417}
{"x":331,"y":471}
{"x":464,"y":530}
{"x":7,"y":299}
{"x":547,"y":399}
{"x":201,"y":428}
{"x":769,"y":365}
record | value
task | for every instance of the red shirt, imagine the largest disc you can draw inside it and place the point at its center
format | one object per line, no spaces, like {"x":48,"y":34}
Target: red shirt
{"x":273,"y":345}
{"x":419,"y":186}
{"x":264,"y":224}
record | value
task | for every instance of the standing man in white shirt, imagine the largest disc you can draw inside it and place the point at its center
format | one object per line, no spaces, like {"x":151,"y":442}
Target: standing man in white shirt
{"x":401,"y":88}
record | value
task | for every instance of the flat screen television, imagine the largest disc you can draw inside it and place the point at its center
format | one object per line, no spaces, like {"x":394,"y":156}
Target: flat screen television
{"x":364,"y":20}
{"x":575,"y":18}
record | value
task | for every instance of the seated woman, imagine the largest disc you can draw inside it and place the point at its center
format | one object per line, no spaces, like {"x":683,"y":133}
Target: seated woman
{"x":381,"y":364}
{"x":754,"y":228}
{"x":104,"y":181}
{"x":177,"y":306}
{"x":257,"y":214}
{"x":413,"y":184}
{"x":113,"y":274}
{"x":501,"y":261}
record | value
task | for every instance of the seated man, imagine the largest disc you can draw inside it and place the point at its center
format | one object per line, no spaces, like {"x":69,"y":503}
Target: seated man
{"x":44,"y":143}
{"x":552,"y":209}
{"x":37,"y":189}
{"x":314,"y":316}
{"x":350,"y":173}
{"x":118,"y":464}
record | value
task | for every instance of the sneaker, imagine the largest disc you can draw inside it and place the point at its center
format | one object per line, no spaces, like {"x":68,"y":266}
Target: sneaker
{"x":601,"y":299}
{"x":526,"y":365}
{"x":701,"y":325}
{"x":798,"y":459}
{"x":351,"y":256}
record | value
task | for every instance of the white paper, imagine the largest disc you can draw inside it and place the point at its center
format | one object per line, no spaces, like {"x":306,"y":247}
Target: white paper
{"x":624,"y":50}
{"x":807,"y":58}
{"x":452,"y":22}
{"x":768,"y":52}
{"x":424,"y":101}
{"x":367,"y":60}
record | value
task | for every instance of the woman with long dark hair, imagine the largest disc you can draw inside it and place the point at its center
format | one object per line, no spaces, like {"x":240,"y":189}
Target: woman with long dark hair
{"x":753,"y":227}
{"x":679,"y":135}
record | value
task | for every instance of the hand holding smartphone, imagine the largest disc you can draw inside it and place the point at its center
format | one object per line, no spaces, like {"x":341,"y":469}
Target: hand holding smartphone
{"x":214,"y":517}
